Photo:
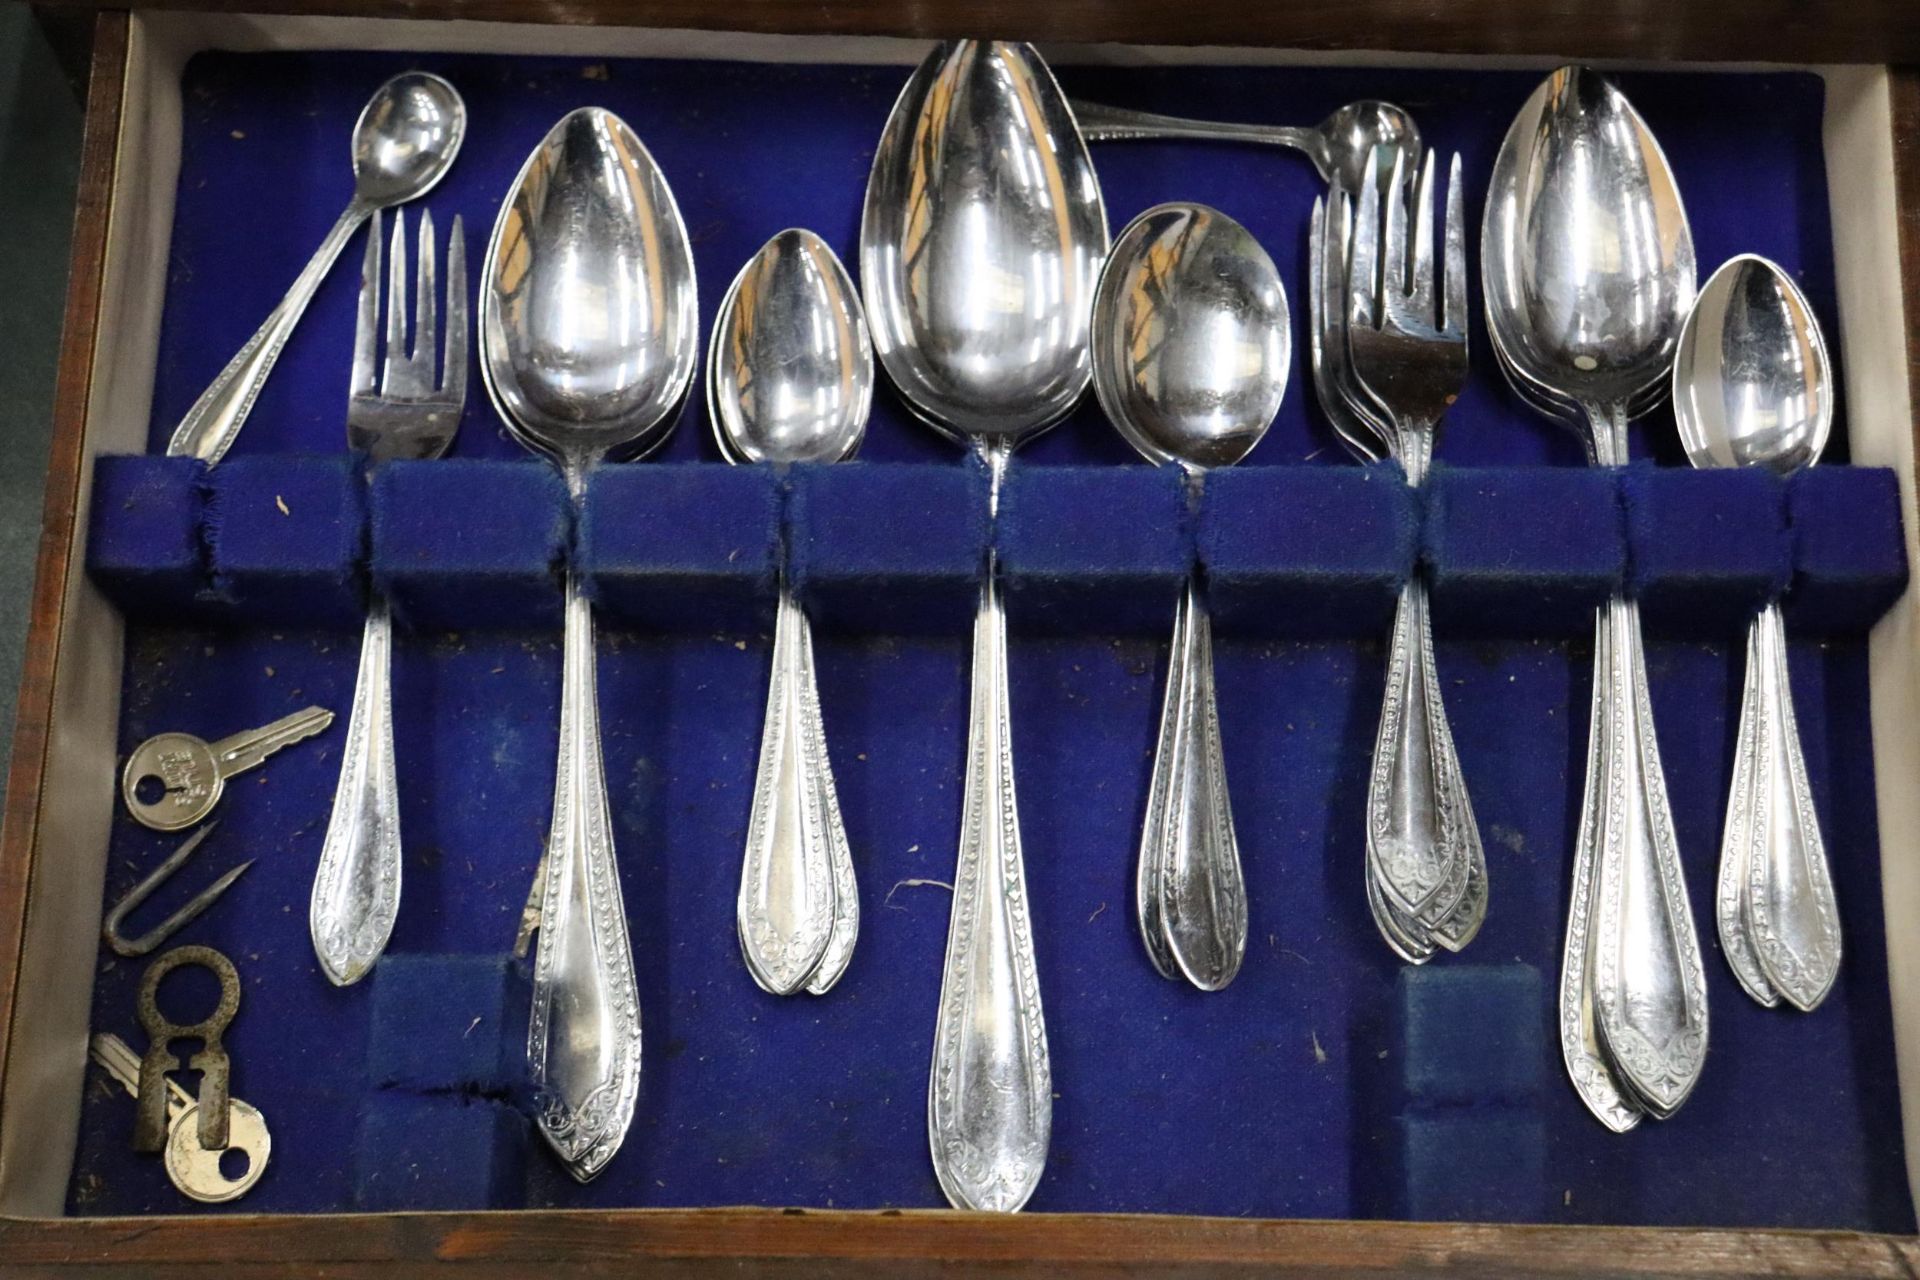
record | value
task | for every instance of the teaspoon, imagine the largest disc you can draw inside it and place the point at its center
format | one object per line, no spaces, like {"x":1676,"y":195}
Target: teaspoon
{"x":1752,"y":387}
{"x":589,"y":336}
{"x":980,"y":243}
{"x":1190,"y":350}
{"x":406,"y":137}
{"x":1588,"y":267}
{"x":790,"y":379}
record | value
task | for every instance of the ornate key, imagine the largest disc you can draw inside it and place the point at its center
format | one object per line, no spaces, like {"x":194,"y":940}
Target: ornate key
{"x":150,"y":1121}
{"x":192,"y":772}
{"x":194,"y":1170}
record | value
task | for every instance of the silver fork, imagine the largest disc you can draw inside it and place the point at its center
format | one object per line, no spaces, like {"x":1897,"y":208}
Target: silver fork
{"x":1405,"y":345}
{"x":407,"y":414}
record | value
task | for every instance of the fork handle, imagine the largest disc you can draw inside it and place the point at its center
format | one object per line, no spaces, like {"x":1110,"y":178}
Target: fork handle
{"x":356,"y":889}
{"x":209,"y":428}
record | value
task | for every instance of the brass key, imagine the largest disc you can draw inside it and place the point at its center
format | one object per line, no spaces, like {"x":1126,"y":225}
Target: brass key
{"x":194,"y":1170}
{"x":194,"y":772}
{"x":150,"y":1120}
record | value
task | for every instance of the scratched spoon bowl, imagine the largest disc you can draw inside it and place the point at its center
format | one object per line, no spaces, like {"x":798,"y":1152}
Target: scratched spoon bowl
{"x":1190,"y":361}
{"x":1753,"y":387}
{"x":589,"y":338}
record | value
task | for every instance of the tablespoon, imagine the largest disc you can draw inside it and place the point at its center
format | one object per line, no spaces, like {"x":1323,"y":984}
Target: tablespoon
{"x":1752,"y":387}
{"x":406,"y":137}
{"x":1190,"y":349}
{"x":790,"y":379}
{"x":1341,"y":146}
{"x":980,"y":242}
{"x":589,"y":337}
{"x":1588,"y":273}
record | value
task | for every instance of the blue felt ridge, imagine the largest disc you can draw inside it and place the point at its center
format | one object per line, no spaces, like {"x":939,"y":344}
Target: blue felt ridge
{"x":1513,"y":551}
{"x":1849,"y":551}
{"x":1306,"y":551}
{"x":682,"y":546}
{"x":1706,"y":550}
{"x":285,"y":539}
{"x":461,"y":543}
{"x":883,"y":547}
{"x":1094,"y":546}
{"x":143,"y":532}
{"x":448,"y":1023}
{"x":1470,"y":1034}
{"x":1506,"y":1149}
{"x":448,"y":1151}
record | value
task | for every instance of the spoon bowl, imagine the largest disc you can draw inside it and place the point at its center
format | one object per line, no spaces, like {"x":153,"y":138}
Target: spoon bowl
{"x":589,"y":323}
{"x":1752,"y":385}
{"x":406,"y":138}
{"x":790,"y":363}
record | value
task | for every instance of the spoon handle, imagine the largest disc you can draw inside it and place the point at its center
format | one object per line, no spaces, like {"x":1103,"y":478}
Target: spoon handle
{"x":1738,"y":838}
{"x":1792,"y":920}
{"x":1415,"y":832}
{"x":787,"y":894}
{"x":990,"y":1098}
{"x":1649,"y":987}
{"x":209,"y":428}
{"x":1101,"y":123}
{"x":846,"y":894}
{"x":1189,"y":837}
{"x":583,"y":1038}
{"x":356,"y":889}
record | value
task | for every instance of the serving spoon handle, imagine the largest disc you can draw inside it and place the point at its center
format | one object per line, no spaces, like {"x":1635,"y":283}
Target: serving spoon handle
{"x":1101,"y":123}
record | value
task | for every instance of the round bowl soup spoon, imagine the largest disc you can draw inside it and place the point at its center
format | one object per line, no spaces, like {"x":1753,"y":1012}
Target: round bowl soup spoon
{"x":589,"y":336}
{"x":980,"y":243}
{"x":406,"y":137}
{"x":1752,"y":387}
{"x":790,"y":379}
{"x":1190,"y":349}
{"x":1588,"y":272}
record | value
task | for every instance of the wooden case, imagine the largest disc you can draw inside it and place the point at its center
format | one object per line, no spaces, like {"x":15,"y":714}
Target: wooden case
{"x":59,"y":789}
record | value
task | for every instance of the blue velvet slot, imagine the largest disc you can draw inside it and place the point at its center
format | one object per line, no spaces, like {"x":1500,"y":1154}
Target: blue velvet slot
{"x":418,"y":1151}
{"x":285,"y":537}
{"x":682,"y":547}
{"x":448,"y":1024}
{"x":1306,"y":551}
{"x":1513,"y":551}
{"x":1093,"y":548}
{"x":1706,"y":550}
{"x":143,"y":534}
{"x":458,"y":543}
{"x":1507,"y":1148}
{"x":1849,"y":555}
{"x":1471,"y":1034}
{"x":887,"y":548}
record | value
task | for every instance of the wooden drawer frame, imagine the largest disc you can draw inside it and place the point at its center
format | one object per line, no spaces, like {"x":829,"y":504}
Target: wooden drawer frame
{"x":768,"y":1242}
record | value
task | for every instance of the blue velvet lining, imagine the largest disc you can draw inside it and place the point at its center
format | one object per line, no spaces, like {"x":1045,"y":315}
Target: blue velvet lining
{"x":1325,"y":1081}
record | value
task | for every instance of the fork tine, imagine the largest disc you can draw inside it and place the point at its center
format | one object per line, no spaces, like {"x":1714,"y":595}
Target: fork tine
{"x":366,"y":329}
{"x":454,"y":379}
{"x":393,"y":374}
{"x":1453,"y":319}
{"x":1363,"y":263}
{"x":1420,"y":271}
{"x":426,"y":328}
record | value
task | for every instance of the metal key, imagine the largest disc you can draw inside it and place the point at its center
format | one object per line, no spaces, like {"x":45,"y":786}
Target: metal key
{"x":150,"y":1118}
{"x":194,"y":1171}
{"x":194,"y":772}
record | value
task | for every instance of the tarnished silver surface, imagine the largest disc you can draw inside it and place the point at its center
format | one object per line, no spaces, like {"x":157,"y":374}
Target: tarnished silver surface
{"x":406,"y":412}
{"x":406,"y":137}
{"x":1341,"y":147}
{"x":588,"y":344}
{"x":980,"y":243}
{"x":194,"y":1170}
{"x":1190,"y":360}
{"x":1752,"y":387}
{"x":790,"y":379}
{"x":1588,"y":271}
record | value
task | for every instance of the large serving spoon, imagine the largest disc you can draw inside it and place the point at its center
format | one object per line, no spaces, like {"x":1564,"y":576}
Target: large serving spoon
{"x":1588,"y":269}
{"x":1752,"y":387}
{"x":407,"y":135}
{"x":1341,"y":147}
{"x":980,"y":243}
{"x":589,"y":336}
{"x":790,"y":379}
{"x":1190,"y":348}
